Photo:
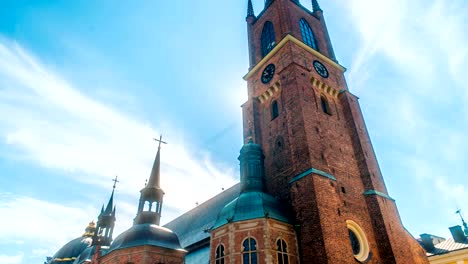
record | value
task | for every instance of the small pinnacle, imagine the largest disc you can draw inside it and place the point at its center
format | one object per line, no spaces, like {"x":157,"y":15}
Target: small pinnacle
{"x":250,"y":11}
{"x":315,"y":6}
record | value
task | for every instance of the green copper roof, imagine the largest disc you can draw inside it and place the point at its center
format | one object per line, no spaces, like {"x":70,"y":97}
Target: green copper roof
{"x":252,"y":205}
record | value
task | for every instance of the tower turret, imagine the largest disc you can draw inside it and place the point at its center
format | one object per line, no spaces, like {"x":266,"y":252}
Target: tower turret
{"x":106,"y":222}
{"x":151,"y":198}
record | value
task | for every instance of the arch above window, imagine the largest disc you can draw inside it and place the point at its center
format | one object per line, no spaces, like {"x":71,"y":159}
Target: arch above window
{"x":219,"y":257}
{"x":268,"y":39}
{"x":307,"y":34}
{"x":249,"y":251}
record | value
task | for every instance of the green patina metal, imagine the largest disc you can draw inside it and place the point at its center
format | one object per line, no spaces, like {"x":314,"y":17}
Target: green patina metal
{"x":253,"y":202}
{"x":314,"y":171}
{"x":381,"y":194}
{"x":252,"y":205}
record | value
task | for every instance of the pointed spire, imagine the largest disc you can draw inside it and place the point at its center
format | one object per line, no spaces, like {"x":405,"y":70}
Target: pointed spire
{"x":316,"y":6}
{"x":154,"y":179}
{"x":110,"y":204}
{"x":151,"y":194}
{"x":250,"y":10}
{"x":106,"y":221}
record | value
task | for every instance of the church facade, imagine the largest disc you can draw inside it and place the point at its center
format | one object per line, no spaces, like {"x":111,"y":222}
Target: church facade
{"x":310,"y":189}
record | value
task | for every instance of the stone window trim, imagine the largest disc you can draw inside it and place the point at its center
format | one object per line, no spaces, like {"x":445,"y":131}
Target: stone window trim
{"x":364,"y":249}
{"x":249,"y":251}
{"x":220,"y":254}
{"x":282,"y":251}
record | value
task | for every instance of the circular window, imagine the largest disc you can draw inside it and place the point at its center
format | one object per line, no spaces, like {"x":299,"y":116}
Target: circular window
{"x":358,"y":241}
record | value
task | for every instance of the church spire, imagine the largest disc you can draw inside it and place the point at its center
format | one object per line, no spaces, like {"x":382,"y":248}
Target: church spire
{"x":106,"y":221}
{"x":154,"y":179}
{"x":316,"y":6}
{"x":151,"y":194}
{"x":250,"y":10}
{"x":110,"y":204}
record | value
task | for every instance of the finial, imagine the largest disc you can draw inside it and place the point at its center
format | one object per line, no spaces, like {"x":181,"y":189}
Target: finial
{"x":250,"y":11}
{"x":316,"y":6}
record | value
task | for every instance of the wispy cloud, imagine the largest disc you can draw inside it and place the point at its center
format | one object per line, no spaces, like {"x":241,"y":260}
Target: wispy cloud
{"x":51,"y":123}
{"x":410,"y":66}
{"x":61,"y":128}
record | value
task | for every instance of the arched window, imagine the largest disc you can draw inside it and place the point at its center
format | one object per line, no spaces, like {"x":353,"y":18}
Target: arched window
{"x":307,"y":34}
{"x":274,"y":110}
{"x":283,"y":257}
{"x":249,"y":251}
{"x":219,"y":258}
{"x":325,"y":106}
{"x":268,"y":38}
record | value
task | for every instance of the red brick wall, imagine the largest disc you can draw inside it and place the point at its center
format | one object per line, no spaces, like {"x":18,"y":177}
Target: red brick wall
{"x":265,"y":231}
{"x":144,"y":255}
{"x":337,"y":144}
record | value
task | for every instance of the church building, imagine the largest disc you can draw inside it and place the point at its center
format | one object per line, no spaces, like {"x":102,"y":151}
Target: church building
{"x":310,"y":191}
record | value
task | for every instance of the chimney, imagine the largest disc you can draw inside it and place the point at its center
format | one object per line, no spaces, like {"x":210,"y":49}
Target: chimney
{"x":457,"y":234}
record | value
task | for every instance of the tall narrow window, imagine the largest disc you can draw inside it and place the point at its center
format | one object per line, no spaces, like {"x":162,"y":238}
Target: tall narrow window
{"x":283,"y":257}
{"x":274,"y":110}
{"x":325,"y":106}
{"x":268,"y":38}
{"x":219,"y":258}
{"x":307,"y":34}
{"x":249,"y":251}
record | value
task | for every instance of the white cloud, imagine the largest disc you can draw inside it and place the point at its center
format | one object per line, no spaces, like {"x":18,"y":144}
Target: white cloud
{"x":37,"y":220}
{"x":5,"y":259}
{"x":61,"y":128}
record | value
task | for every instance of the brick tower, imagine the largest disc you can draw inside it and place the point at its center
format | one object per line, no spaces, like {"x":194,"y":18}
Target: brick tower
{"x":318,"y":154}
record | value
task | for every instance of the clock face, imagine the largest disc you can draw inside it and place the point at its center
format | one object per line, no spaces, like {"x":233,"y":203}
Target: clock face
{"x":321,"y":69}
{"x":268,"y":73}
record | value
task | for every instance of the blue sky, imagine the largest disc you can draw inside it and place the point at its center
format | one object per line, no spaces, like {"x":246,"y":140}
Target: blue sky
{"x":84,"y":87}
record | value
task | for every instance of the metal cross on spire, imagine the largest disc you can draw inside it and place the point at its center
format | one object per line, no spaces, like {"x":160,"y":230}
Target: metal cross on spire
{"x":160,"y":141}
{"x":115,"y":182}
